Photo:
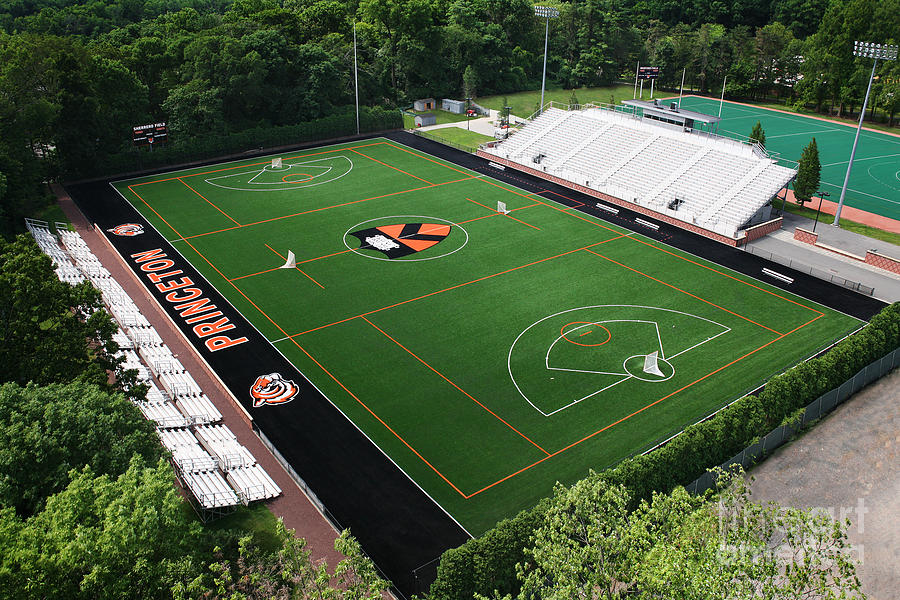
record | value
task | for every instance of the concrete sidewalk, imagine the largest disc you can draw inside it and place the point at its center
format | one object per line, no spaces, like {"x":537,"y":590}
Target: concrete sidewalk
{"x":782,"y":244}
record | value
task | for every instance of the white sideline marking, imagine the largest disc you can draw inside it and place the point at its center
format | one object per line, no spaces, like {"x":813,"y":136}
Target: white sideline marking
{"x":777,"y":275}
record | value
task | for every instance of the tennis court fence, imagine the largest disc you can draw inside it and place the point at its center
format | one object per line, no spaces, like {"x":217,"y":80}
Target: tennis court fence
{"x":816,"y":409}
{"x":804,"y":268}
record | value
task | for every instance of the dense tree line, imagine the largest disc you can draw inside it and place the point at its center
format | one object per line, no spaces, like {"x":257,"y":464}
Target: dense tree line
{"x":89,"y":508}
{"x":76,"y":75}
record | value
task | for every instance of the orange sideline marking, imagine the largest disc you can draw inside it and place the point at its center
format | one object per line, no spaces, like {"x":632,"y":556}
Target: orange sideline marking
{"x":437,"y":162}
{"x":298,"y":268}
{"x":442,"y":376}
{"x":208,"y":200}
{"x":458,"y":285}
{"x":277,"y":326}
{"x":683,"y":291}
{"x":392,"y":167}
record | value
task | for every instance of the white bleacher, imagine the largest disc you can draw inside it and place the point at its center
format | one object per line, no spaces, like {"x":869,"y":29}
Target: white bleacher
{"x":252,"y":483}
{"x":181,"y":404}
{"x":720,"y":183}
{"x":210,"y":489}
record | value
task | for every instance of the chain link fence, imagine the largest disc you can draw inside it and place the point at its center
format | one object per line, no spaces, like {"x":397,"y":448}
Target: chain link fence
{"x":446,"y":142}
{"x":804,"y":268}
{"x":816,"y":409}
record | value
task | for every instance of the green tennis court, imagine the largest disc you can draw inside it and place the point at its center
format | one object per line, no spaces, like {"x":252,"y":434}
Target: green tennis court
{"x":489,"y":353}
{"x":875,"y":180}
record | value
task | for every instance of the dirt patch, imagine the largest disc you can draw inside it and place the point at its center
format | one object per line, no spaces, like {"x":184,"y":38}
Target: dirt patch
{"x":847,"y":465}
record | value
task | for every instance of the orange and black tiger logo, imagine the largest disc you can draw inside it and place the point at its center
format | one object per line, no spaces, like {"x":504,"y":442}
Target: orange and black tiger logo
{"x":402,"y":239}
{"x":273,"y":389}
{"x":127,"y":229}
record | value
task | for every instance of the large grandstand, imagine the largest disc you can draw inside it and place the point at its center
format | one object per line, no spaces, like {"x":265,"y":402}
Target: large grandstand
{"x":709,"y":184}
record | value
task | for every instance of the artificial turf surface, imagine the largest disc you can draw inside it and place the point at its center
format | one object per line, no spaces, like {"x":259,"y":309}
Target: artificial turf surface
{"x":507,"y":352}
{"x":874,"y":183}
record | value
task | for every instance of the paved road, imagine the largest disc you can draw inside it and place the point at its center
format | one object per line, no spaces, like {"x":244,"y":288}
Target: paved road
{"x":847,"y":465}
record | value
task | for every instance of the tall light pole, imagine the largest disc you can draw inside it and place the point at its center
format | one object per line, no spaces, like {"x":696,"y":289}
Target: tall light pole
{"x":865,"y":50}
{"x":548,"y":12}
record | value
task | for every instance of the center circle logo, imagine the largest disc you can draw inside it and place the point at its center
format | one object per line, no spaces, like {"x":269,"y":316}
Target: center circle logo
{"x":406,"y":238}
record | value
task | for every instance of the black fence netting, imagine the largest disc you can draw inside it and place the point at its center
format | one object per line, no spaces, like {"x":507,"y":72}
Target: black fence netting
{"x":178,"y":152}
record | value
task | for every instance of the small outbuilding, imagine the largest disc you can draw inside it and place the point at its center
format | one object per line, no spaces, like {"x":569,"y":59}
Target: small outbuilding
{"x":457,"y":107}
{"x":424,"y":104}
{"x":425,"y":120}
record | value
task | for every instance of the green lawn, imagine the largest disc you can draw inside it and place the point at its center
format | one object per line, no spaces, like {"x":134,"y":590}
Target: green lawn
{"x":525,"y":103}
{"x":457,"y":137}
{"x":443,"y":116}
{"x":489,"y":355}
{"x":872,"y":232}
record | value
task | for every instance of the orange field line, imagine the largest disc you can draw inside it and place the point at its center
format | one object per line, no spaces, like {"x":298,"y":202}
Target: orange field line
{"x":296,"y":267}
{"x":312,"y":210}
{"x":640,"y":410}
{"x":771,"y":293}
{"x":437,"y":162}
{"x":445,"y":378}
{"x":453,"y":287}
{"x":277,"y":326}
{"x":507,"y":215}
{"x":683,"y":291}
{"x":210,"y":202}
{"x":254,"y":274}
{"x":244,"y":166}
{"x":392,"y":167}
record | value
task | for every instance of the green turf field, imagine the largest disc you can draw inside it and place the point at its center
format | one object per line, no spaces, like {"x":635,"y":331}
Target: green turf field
{"x":488,"y":354}
{"x":875,"y":179}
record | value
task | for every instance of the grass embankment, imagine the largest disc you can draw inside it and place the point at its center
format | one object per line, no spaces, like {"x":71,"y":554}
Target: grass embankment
{"x":866,"y":230}
{"x":525,"y":103}
{"x":459,"y":137}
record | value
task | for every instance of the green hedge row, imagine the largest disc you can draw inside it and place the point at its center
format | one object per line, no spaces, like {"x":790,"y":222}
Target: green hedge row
{"x":488,"y":562}
{"x":338,"y":125}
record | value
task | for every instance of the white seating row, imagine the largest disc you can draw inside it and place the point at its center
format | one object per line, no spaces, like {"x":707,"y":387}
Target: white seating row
{"x":714,"y":178}
{"x":181,"y":404}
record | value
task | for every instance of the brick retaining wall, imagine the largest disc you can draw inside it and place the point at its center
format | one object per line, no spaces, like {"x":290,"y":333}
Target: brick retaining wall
{"x":882,"y":262}
{"x":807,"y":237}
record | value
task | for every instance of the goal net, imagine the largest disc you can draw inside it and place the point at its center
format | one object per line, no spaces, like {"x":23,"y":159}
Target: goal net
{"x":291,"y":262}
{"x":276,"y":163}
{"x":651,"y":364}
{"x":501,"y":208}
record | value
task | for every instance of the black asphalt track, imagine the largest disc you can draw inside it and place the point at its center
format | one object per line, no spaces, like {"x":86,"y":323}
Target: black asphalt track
{"x":398,"y":525}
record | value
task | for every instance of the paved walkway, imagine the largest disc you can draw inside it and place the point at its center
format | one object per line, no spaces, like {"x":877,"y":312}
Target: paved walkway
{"x":782,"y":244}
{"x":847,"y":466}
{"x":292,"y":506}
{"x":851,"y":214}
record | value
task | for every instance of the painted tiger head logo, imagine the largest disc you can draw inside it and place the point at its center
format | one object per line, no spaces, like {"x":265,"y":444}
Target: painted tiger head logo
{"x":273,"y":389}
{"x":127,"y":229}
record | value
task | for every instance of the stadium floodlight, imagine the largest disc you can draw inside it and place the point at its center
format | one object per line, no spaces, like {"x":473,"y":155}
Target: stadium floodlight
{"x":546,"y":12}
{"x":863,"y":50}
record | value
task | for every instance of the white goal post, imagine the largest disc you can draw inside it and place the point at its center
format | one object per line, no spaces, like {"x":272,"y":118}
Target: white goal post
{"x":651,"y":364}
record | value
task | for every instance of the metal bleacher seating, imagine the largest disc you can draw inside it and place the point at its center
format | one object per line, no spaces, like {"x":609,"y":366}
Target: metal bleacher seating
{"x":219,"y":472}
{"x":714,"y":182}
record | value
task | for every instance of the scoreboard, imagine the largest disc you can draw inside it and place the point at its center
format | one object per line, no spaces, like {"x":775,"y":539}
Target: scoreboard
{"x":648,"y":72}
{"x":152,"y":133}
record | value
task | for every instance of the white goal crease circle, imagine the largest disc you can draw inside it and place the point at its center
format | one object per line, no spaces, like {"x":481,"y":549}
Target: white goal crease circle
{"x":389,"y":217}
{"x":627,"y":375}
{"x":251,"y":185}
